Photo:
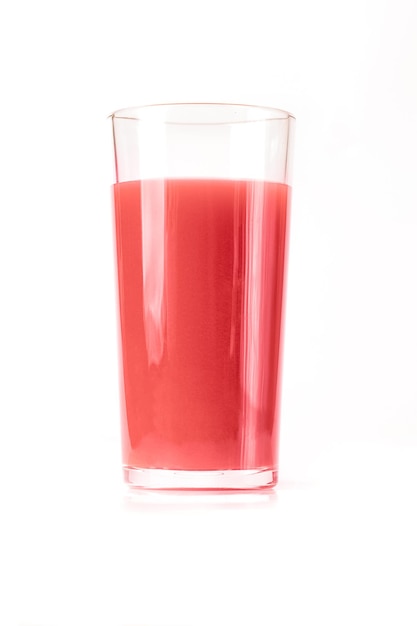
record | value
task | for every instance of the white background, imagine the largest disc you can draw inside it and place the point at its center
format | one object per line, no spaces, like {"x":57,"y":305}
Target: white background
{"x":336,"y":543}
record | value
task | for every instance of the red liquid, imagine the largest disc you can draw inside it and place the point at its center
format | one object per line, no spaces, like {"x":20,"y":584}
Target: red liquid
{"x":201,"y":269}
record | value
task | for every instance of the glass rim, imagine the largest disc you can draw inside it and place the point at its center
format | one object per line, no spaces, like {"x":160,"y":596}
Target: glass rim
{"x":267,"y":113}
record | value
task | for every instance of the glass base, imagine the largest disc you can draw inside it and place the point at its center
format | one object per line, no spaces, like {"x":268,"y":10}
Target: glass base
{"x":145,"y":478}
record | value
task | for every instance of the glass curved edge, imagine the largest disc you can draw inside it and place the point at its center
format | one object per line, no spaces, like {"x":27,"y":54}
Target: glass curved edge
{"x":249,"y":479}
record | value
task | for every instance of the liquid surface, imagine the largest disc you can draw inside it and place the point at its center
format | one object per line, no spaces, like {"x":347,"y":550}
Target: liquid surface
{"x":201,"y":273}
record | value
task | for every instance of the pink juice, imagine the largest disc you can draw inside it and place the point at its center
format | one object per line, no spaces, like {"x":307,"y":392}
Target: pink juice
{"x":201,"y":274}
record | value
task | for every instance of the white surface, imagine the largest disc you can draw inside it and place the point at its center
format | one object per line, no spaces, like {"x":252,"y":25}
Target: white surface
{"x":337,"y":542}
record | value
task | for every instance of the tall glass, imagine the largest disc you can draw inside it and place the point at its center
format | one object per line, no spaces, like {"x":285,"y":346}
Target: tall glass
{"x":201,"y":200}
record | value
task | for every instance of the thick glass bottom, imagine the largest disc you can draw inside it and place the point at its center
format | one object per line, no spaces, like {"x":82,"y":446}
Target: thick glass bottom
{"x":144,"y":478}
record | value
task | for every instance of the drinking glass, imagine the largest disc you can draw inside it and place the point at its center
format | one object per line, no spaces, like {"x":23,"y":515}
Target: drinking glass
{"x":201,"y":214}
